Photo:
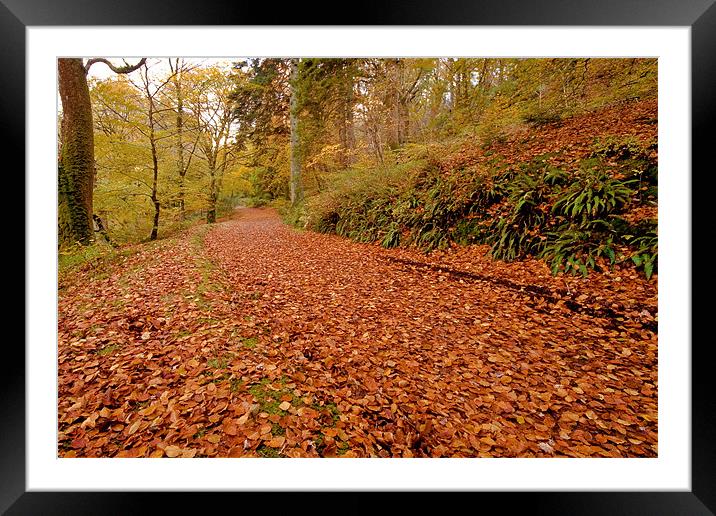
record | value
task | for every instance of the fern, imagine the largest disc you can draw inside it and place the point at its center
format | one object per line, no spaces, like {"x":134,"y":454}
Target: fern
{"x":595,"y":194}
{"x":577,"y":247}
{"x":646,"y":253}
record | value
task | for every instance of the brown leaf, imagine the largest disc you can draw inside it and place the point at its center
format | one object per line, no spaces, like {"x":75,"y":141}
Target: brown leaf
{"x":134,"y":427}
{"x":172,"y":451}
{"x":277,"y":441}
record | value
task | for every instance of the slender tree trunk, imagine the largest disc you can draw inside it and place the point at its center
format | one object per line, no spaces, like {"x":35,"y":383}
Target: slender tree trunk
{"x":180,"y":146}
{"x":155,"y":222}
{"x":296,"y":189}
{"x":222,"y":173}
{"x":155,"y":169}
{"x":346,"y":130}
{"x":398,"y":102}
{"x":403,"y":121}
{"x":155,"y":199}
{"x":393,"y":99}
{"x":343,"y":137}
{"x":216,"y":173}
{"x":377,"y":144}
{"x":350,"y":130}
{"x":76,"y":164}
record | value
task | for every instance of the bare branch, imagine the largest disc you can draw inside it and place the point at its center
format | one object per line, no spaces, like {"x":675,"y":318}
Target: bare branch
{"x":121,"y":69}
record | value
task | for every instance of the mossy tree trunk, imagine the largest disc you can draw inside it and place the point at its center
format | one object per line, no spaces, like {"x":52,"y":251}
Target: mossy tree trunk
{"x":76,"y":160}
{"x":296,"y":188}
{"x":75,"y":168}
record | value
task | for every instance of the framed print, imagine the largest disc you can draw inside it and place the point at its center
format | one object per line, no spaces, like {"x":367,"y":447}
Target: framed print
{"x":49,"y":469}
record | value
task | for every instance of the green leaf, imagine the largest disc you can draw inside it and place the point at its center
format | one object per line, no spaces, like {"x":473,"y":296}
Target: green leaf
{"x":648,"y":269}
{"x":610,"y":253}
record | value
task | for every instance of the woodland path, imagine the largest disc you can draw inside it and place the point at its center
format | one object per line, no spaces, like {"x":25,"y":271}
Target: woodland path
{"x":250,"y":338}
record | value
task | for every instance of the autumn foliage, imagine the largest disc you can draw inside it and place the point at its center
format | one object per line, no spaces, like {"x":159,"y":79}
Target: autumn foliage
{"x":252,"y":339}
{"x":473,"y":270}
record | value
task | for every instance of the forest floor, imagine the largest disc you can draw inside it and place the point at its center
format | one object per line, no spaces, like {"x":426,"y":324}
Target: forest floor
{"x":250,"y":338}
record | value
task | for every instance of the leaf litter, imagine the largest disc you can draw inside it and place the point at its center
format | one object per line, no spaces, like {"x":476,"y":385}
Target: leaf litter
{"x":251,"y":339}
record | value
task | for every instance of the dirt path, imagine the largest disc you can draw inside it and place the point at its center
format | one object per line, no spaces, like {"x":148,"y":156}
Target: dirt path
{"x":251,"y":338}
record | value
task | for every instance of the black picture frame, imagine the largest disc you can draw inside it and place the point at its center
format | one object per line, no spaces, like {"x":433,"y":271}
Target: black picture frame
{"x":699,"y":15}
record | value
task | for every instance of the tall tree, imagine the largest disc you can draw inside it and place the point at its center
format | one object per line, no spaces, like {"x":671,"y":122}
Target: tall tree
{"x":76,"y":169}
{"x":76,"y":160}
{"x":151,"y":134}
{"x":347,"y":104}
{"x":326,"y":107}
{"x":179,"y":68}
{"x":261,"y":105}
{"x":211,"y":106}
{"x":296,"y":189}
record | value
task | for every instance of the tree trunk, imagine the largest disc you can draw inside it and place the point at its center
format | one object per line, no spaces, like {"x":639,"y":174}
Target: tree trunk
{"x":155,"y":223}
{"x":76,"y":164}
{"x":346,"y":130}
{"x":404,"y":121}
{"x":155,"y":168}
{"x":377,"y":145}
{"x":155,"y":199}
{"x":211,"y":212}
{"x":75,"y":168}
{"x":343,"y":138}
{"x":296,"y":190}
{"x":180,"y":149}
{"x":350,"y":133}
{"x":398,"y":102}
{"x":180,"y":144}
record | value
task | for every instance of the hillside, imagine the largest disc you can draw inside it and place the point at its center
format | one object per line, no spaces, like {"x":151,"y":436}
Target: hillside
{"x":580,"y":193}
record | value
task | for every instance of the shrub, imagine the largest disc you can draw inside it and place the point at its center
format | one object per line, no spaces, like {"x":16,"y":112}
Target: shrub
{"x":258,"y":201}
{"x":619,"y":148}
{"x":568,"y":218}
{"x":644,"y":241}
{"x":594,"y":194}
{"x":527,"y":190}
{"x":575,"y":247}
{"x":542,"y":116}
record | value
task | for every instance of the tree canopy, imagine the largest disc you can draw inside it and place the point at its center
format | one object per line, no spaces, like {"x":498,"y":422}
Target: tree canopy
{"x":175,"y":139}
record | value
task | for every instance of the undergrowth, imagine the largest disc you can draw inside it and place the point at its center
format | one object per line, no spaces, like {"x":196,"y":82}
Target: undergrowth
{"x":571,"y":216}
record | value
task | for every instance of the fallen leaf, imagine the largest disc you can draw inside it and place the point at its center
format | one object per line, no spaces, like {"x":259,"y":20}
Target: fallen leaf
{"x":172,"y":451}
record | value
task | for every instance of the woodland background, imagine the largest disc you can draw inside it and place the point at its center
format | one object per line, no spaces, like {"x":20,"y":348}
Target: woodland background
{"x":398,"y":151}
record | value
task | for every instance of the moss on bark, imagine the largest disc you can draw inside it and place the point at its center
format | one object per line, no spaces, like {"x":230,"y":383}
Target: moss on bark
{"x":76,"y":160}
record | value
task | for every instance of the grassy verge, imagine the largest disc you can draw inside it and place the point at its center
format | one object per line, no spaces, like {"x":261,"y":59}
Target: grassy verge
{"x":98,"y":257}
